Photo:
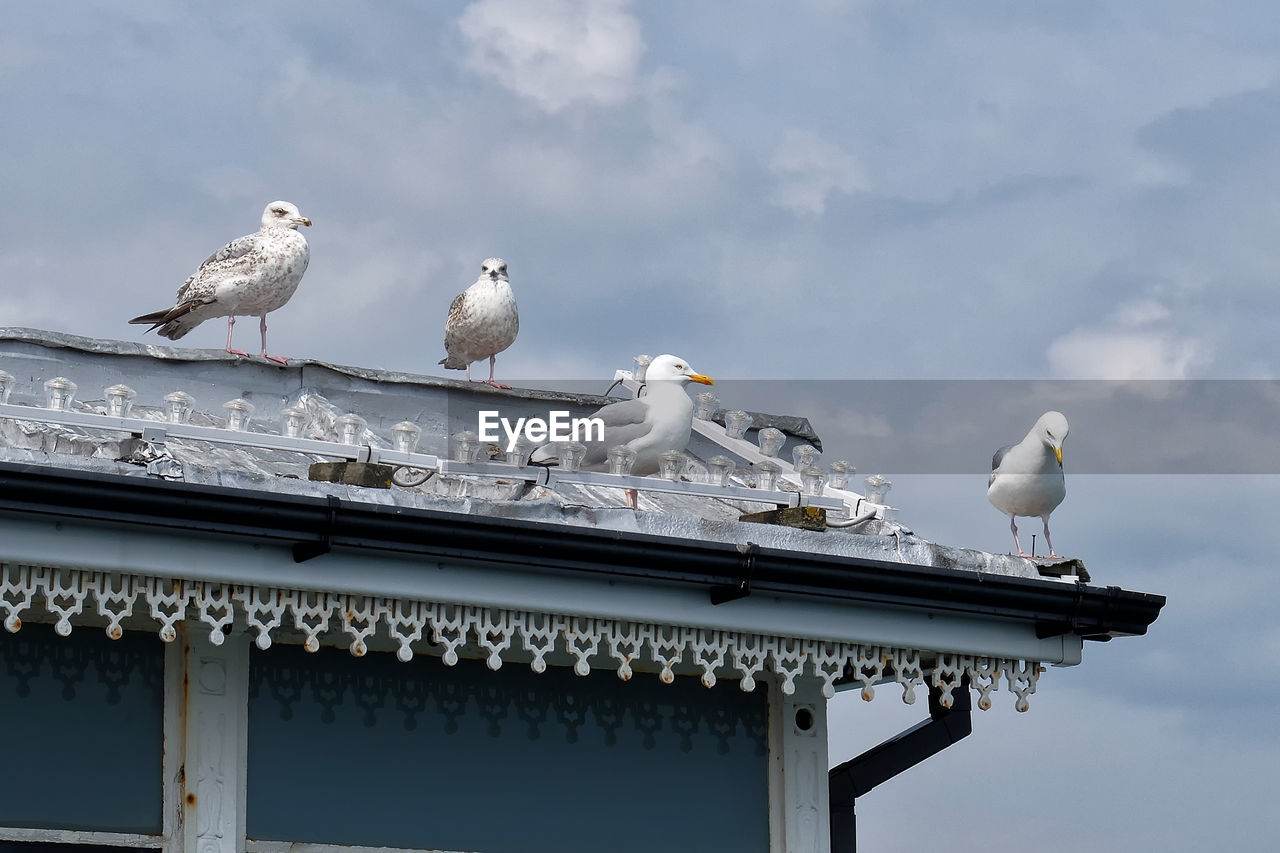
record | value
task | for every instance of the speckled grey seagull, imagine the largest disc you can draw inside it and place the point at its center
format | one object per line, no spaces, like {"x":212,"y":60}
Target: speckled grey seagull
{"x":650,"y":425}
{"x":1026,"y":478}
{"x":482,"y":321}
{"x":249,"y":277}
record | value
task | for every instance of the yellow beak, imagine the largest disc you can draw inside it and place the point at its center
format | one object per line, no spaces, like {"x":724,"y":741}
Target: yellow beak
{"x":1057,"y":452}
{"x":303,"y":221}
{"x":700,"y":379}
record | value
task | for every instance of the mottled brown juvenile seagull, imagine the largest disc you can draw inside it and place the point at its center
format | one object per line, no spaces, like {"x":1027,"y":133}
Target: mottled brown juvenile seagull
{"x":482,"y":321}
{"x":249,"y":277}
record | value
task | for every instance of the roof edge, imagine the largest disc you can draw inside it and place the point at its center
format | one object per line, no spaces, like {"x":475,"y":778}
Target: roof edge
{"x":794,"y":425}
{"x":1055,"y":607}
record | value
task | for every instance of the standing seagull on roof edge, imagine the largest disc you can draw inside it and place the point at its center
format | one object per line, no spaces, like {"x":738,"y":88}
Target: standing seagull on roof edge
{"x":249,"y":277}
{"x":482,"y":321}
{"x":1026,"y":478}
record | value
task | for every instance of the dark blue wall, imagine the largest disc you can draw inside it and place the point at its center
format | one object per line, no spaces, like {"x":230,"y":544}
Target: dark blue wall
{"x":377,"y":752}
{"x":82,"y":721}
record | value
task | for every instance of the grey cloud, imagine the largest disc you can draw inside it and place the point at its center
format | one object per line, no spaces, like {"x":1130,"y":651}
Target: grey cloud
{"x":1230,"y":135}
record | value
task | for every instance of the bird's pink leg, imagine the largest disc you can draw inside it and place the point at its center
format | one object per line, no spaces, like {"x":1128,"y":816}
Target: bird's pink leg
{"x":1047,"y":540}
{"x":633,"y":498}
{"x":492,"y":381}
{"x":277,"y":359}
{"x":231,"y":324}
{"x":1013,"y":525}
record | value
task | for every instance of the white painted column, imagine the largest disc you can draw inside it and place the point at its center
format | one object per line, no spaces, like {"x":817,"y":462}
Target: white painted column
{"x":798,"y":813}
{"x":217,"y":715}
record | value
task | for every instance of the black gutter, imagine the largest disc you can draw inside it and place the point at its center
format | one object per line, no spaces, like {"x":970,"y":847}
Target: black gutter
{"x":857,"y":776}
{"x":318,"y":524}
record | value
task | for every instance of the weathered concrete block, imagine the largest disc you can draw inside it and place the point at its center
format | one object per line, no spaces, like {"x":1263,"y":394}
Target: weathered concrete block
{"x":372,"y":475}
{"x":804,"y":517}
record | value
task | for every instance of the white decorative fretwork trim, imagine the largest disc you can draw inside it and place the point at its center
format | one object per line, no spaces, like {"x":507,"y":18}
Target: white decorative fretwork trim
{"x":446,"y":627}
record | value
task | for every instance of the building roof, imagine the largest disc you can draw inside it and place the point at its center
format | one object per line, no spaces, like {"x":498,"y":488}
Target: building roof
{"x":503,"y":540}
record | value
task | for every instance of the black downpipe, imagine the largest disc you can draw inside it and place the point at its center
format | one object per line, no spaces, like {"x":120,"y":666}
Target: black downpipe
{"x":303,"y":551}
{"x":857,"y":776}
{"x":724,"y":593}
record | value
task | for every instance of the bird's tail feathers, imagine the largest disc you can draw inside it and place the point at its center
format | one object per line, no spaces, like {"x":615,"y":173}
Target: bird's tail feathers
{"x":155,"y":318}
{"x":170,"y":321}
{"x":452,"y":362}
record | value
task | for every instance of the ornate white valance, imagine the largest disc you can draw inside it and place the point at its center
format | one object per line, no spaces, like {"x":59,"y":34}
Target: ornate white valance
{"x":412,"y":626}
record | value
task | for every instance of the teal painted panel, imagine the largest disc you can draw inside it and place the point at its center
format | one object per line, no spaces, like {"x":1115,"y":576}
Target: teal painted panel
{"x":55,"y":847}
{"x":376,"y":752}
{"x":83,"y":723}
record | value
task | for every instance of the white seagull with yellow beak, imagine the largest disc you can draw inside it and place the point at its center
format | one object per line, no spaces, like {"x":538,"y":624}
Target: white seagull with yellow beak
{"x":651,"y":425}
{"x":1026,"y":478}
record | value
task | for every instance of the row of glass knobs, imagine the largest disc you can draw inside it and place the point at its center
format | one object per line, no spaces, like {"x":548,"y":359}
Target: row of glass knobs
{"x":674,"y":465}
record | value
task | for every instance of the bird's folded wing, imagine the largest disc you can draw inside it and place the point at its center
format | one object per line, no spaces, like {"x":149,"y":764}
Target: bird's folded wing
{"x":456,"y":310}
{"x":625,"y":421}
{"x":995,"y":462}
{"x":453,"y":326}
{"x":237,"y":248}
{"x":229,"y":259}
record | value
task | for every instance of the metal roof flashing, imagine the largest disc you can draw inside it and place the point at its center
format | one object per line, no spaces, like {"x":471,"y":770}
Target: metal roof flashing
{"x":382,"y":398}
{"x":117,"y":511}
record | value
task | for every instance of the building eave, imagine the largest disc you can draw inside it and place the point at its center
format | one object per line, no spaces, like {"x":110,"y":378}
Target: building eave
{"x":1052,"y":608}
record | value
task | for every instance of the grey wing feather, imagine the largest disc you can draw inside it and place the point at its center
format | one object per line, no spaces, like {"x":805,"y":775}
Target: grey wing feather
{"x":624,"y":421}
{"x":995,"y":462}
{"x":623,"y":413}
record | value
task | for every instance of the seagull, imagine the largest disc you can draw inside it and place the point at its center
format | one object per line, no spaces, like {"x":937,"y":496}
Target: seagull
{"x":650,"y":425}
{"x":482,"y":321}
{"x":1026,"y":478}
{"x":249,"y":277}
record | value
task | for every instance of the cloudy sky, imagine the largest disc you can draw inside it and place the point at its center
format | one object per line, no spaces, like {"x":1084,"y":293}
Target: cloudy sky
{"x":816,"y":189}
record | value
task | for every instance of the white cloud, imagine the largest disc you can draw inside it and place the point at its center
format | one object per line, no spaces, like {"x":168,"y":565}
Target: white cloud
{"x":1141,"y":312}
{"x":1136,"y":341}
{"x":375,"y":134}
{"x":1125,"y":355}
{"x":557,"y":53}
{"x":809,"y":169}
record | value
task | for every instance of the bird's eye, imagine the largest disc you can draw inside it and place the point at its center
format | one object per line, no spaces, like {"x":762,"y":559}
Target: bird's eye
{"x":279,"y":211}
